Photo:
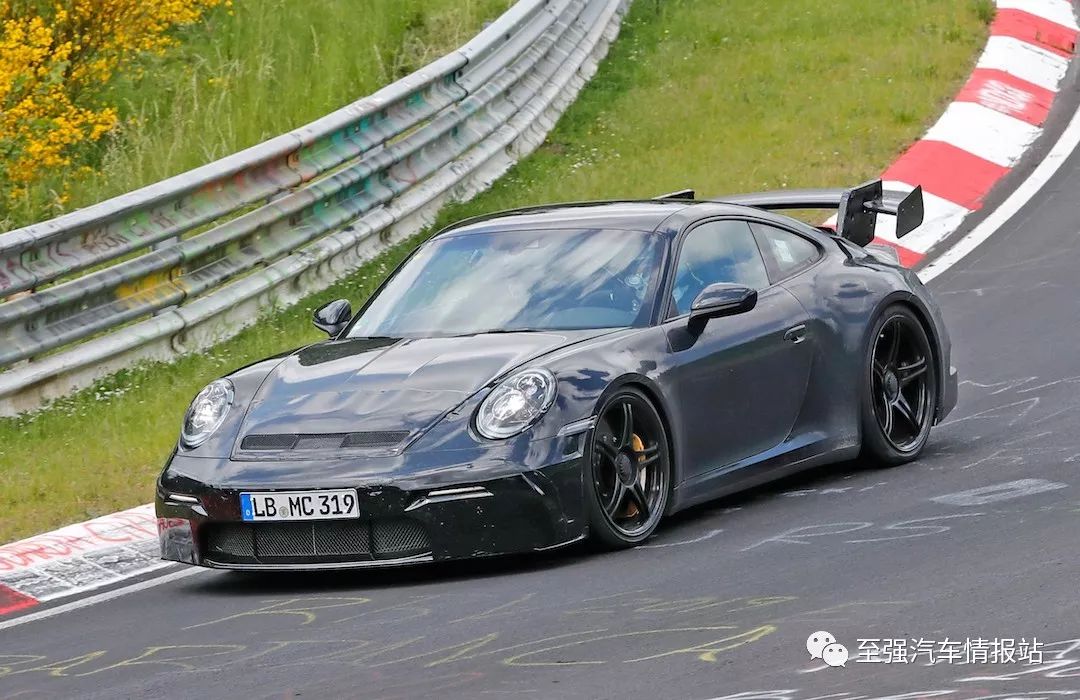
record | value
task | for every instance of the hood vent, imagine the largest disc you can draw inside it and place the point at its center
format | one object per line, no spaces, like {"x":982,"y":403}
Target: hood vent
{"x":325,"y":441}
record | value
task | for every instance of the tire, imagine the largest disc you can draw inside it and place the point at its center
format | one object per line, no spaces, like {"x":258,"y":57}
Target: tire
{"x":899,"y":395}
{"x":627,"y":471}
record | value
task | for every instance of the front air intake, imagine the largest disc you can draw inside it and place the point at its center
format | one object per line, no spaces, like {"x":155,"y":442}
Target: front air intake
{"x":377,"y":439}
{"x":325,"y":541}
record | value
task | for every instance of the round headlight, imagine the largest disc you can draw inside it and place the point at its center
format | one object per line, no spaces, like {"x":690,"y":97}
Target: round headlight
{"x":516,"y":403}
{"x":206,"y":413}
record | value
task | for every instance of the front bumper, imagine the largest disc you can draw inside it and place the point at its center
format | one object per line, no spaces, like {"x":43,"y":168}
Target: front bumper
{"x":404,"y":523}
{"x":949,"y":392}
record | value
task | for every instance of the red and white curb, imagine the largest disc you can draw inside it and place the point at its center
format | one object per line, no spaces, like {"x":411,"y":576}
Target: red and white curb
{"x":78,"y":558}
{"x":979,"y":138}
{"x":995,"y":117}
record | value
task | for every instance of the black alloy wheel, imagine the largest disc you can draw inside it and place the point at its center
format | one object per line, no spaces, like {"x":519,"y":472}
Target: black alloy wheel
{"x":629,"y":470}
{"x":902,"y":386}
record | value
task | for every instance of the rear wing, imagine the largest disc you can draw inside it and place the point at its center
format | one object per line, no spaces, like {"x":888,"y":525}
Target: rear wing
{"x":856,"y":208}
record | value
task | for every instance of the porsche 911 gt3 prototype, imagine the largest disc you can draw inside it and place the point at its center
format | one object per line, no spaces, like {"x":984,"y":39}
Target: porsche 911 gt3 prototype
{"x":540,"y":376}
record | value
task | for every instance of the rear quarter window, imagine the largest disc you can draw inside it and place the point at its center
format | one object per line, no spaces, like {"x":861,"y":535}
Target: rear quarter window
{"x":790,"y":252}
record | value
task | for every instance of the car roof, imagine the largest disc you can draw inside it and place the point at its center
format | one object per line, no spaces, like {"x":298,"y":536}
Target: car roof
{"x":630,"y":215}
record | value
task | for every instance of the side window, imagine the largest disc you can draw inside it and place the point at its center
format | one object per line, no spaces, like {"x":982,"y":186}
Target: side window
{"x":789,"y":252}
{"x":717,"y":251}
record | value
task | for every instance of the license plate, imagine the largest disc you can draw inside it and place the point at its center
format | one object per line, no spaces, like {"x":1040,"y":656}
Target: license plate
{"x":300,"y":505}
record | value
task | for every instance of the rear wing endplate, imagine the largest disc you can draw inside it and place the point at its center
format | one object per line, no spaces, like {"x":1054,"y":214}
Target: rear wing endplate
{"x":856,"y":208}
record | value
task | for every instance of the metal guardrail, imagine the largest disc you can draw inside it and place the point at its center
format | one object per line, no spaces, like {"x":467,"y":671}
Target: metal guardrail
{"x":188,"y":261}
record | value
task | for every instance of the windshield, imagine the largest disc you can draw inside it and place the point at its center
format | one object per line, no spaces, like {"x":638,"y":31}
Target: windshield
{"x":502,"y":281}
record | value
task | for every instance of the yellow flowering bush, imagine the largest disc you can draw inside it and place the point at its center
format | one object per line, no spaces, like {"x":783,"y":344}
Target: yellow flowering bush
{"x":56,"y":57}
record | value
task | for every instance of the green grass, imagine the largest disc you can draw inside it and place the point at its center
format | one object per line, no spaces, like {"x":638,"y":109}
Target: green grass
{"x":723,"y":96}
{"x":239,"y":79}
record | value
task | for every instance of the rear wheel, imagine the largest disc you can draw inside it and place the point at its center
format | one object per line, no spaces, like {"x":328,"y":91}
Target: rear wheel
{"x":629,"y":471}
{"x":900,"y":397}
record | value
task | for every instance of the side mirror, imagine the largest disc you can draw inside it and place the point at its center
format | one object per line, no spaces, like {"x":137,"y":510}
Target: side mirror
{"x":718,"y":300}
{"x":333,"y":317}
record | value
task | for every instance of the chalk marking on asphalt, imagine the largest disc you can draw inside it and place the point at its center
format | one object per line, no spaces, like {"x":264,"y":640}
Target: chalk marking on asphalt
{"x":702,"y":538}
{"x":815,"y":530}
{"x":102,"y":597}
{"x":999,"y":492}
{"x":1034,"y":183}
{"x":919,"y":530}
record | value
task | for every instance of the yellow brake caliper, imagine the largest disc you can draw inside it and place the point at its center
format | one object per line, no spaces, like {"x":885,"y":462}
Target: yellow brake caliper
{"x":639,"y":448}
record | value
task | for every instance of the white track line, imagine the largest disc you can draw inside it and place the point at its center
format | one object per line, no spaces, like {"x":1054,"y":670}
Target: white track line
{"x":101,"y":597}
{"x":1064,"y":147}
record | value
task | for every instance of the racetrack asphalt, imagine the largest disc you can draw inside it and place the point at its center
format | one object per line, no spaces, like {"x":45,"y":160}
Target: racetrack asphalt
{"x":978,"y":540}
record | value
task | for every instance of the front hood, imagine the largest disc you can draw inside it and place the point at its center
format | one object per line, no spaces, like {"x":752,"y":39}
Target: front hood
{"x":360,"y":385}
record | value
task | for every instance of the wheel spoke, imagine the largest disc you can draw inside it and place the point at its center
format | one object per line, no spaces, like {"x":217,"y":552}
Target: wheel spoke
{"x":887,"y":419}
{"x":606,"y":450}
{"x":627,"y":426}
{"x":901,"y":376}
{"x":617,"y":496}
{"x":650,"y":455}
{"x":638,"y":497}
{"x":893,"y":350}
{"x":909,"y":373}
{"x":904,"y":409}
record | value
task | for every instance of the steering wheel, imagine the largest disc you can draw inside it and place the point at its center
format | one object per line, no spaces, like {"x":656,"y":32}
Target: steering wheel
{"x":620,"y":296}
{"x":691,"y":283}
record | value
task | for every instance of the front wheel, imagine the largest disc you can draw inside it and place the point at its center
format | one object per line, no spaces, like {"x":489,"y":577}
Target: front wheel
{"x":628,"y":471}
{"x":900,"y":392}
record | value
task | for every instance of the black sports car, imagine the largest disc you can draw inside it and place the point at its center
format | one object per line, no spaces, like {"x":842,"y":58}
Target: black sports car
{"x":532,"y":378}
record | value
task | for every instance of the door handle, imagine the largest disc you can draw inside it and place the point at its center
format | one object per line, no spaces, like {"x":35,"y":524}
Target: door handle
{"x":797,"y":334}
